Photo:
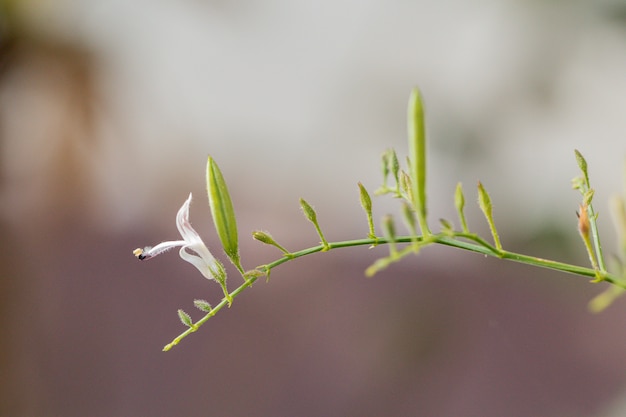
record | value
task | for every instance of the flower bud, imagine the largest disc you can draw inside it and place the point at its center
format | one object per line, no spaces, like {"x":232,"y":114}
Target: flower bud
{"x":308,"y":211}
{"x":266,"y":238}
{"x":484,"y":202}
{"x":366,"y":201}
{"x":459,"y":198}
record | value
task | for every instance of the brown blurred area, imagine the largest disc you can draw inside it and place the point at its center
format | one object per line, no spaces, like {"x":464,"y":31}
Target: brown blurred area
{"x":83,"y":322}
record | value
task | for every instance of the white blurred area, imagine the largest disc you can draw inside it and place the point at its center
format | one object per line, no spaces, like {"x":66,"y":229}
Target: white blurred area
{"x":299,"y":99}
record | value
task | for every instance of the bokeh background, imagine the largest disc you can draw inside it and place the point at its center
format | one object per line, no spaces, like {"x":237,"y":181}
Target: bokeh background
{"x":108,"y":111}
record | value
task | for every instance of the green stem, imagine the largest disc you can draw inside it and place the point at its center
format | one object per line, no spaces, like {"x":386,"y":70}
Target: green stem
{"x":210,"y":314}
{"x":476,"y":244}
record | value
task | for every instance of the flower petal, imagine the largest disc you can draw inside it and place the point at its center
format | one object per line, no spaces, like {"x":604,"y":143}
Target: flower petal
{"x":200,"y":263}
{"x":184,"y":226}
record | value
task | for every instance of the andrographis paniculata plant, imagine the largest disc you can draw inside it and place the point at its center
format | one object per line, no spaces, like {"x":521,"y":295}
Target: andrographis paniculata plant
{"x":409,"y":186}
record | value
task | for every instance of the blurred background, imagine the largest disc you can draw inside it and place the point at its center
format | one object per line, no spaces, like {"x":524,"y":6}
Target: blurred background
{"x":108,"y":111}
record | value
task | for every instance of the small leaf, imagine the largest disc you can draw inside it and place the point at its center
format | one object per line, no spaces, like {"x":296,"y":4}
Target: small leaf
{"x":377,"y":266}
{"x":385,"y":167}
{"x":618,"y":214}
{"x":604,"y":300}
{"x":578,"y":183}
{"x":405,"y":185}
{"x":394,"y":166}
{"x":409,"y":217}
{"x":202,"y":305}
{"x":446,"y":225}
{"x":389,"y":230}
{"x":260,"y":271}
{"x":223,"y":212}
{"x":588,"y":196}
{"x":185,"y":318}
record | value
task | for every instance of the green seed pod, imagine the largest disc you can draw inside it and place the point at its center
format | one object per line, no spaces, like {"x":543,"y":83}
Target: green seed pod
{"x":417,"y":156}
{"x":223,"y":212}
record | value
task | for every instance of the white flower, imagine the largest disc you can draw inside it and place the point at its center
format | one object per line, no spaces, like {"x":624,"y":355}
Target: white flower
{"x":192,"y":248}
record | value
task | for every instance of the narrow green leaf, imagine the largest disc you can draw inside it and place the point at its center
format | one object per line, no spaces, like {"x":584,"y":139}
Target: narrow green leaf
{"x":223,"y":212}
